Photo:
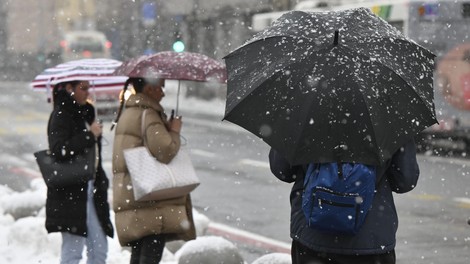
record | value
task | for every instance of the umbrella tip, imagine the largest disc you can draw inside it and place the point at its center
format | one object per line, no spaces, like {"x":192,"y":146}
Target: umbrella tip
{"x":335,"y":42}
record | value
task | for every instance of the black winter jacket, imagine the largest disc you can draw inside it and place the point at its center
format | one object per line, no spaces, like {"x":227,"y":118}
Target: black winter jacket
{"x":378,"y":233}
{"x":68,"y":135}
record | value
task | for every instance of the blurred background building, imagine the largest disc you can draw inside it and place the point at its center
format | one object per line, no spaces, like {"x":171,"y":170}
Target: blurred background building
{"x":32,"y":33}
{"x":38,"y":34}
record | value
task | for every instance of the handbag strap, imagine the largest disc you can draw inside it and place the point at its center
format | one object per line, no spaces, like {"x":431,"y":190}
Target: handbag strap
{"x":142,"y":127}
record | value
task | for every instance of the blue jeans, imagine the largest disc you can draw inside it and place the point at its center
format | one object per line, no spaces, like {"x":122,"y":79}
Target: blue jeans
{"x":96,"y":240}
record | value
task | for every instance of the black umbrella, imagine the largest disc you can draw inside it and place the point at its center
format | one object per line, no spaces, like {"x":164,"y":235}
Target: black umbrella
{"x":331,"y":86}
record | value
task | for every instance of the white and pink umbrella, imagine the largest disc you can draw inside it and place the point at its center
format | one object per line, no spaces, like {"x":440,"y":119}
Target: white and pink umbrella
{"x":99,"y":72}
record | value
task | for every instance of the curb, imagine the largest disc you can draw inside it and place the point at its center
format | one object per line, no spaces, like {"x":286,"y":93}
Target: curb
{"x":248,"y":238}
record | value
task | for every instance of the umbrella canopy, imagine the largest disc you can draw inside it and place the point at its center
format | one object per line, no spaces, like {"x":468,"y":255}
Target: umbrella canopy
{"x":98,"y":71}
{"x":331,"y":87}
{"x":175,"y":66}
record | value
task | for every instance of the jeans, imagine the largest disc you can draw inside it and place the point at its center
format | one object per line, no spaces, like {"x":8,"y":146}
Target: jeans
{"x":96,"y":240}
{"x":148,"y":250}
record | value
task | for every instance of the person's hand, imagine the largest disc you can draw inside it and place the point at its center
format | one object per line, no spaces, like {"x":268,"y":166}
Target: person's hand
{"x":175,"y":124}
{"x":96,"y":128}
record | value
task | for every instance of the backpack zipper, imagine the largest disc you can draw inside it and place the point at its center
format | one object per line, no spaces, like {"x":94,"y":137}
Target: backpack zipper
{"x":334,"y":203}
{"x":321,"y":189}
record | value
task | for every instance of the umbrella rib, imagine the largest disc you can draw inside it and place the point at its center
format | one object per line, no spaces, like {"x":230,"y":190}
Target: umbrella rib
{"x":310,"y":102}
{"x":372,"y":126}
{"x":255,"y":39}
{"x":393,"y":72}
{"x":299,"y":135}
{"x":255,"y":87}
{"x":365,"y":101}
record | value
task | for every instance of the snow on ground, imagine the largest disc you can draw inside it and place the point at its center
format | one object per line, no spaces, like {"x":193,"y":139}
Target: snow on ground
{"x":25,"y":240}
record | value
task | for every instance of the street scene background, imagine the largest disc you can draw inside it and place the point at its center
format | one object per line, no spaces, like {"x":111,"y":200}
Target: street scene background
{"x":244,"y":202}
{"x":238,"y":189}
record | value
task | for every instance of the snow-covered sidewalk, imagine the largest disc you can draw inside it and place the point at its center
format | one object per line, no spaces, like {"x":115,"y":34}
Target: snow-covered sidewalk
{"x":24,"y":239}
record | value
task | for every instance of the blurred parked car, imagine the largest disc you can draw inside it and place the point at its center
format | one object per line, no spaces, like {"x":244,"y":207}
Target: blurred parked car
{"x":85,"y":44}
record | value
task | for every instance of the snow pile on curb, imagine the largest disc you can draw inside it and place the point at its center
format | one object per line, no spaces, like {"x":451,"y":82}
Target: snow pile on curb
{"x":274,"y":258}
{"x":209,"y":250}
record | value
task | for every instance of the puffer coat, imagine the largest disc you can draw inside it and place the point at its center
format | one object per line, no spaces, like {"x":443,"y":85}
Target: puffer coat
{"x":67,"y":134}
{"x":135,"y":219}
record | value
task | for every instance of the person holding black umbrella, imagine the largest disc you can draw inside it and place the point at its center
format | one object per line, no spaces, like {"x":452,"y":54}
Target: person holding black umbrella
{"x":375,"y":241}
{"x":326,"y":90}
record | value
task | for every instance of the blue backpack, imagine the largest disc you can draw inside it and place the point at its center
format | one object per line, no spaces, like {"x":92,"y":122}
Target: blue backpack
{"x":337,"y":196}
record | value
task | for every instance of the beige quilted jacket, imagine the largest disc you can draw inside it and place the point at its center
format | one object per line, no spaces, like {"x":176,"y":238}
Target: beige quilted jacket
{"x":135,"y":220}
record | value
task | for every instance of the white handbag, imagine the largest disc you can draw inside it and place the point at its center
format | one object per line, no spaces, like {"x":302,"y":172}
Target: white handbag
{"x":154,"y":180}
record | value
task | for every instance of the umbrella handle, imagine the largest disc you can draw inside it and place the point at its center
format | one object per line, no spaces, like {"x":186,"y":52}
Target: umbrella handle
{"x":177,"y":98}
{"x":48,"y":91}
{"x":94,"y":98}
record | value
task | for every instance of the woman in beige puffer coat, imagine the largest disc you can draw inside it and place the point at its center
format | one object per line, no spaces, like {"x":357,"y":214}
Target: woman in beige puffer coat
{"x":146,"y":226}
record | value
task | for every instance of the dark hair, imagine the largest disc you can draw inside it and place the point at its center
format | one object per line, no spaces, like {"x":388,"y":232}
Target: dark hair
{"x":63,"y":84}
{"x":138,"y":84}
{"x":60,"y":87}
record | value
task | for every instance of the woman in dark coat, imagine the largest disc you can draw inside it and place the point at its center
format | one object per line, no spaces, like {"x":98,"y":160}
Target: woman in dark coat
{"x":80,"y":212}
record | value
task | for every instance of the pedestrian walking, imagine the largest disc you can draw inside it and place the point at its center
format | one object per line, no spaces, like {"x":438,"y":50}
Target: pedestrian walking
{"x":375,"y":242}
{"x":79,"y":211}
{"x":146,"y":226}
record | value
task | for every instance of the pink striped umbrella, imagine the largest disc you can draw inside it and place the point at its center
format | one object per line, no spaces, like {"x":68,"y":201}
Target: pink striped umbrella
{"x":99,"y":72}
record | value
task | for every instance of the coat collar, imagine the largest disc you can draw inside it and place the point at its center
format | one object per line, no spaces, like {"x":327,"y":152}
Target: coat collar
{"x":143,"y":101}
{"x":65,"y":102}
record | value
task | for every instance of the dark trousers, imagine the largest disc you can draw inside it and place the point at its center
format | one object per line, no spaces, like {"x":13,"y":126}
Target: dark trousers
{"x":303,"y":255}
{"x":147,"y":250}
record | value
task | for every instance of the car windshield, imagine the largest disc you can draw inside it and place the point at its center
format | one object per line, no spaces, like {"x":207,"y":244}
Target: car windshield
{"x":87,"y":44}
